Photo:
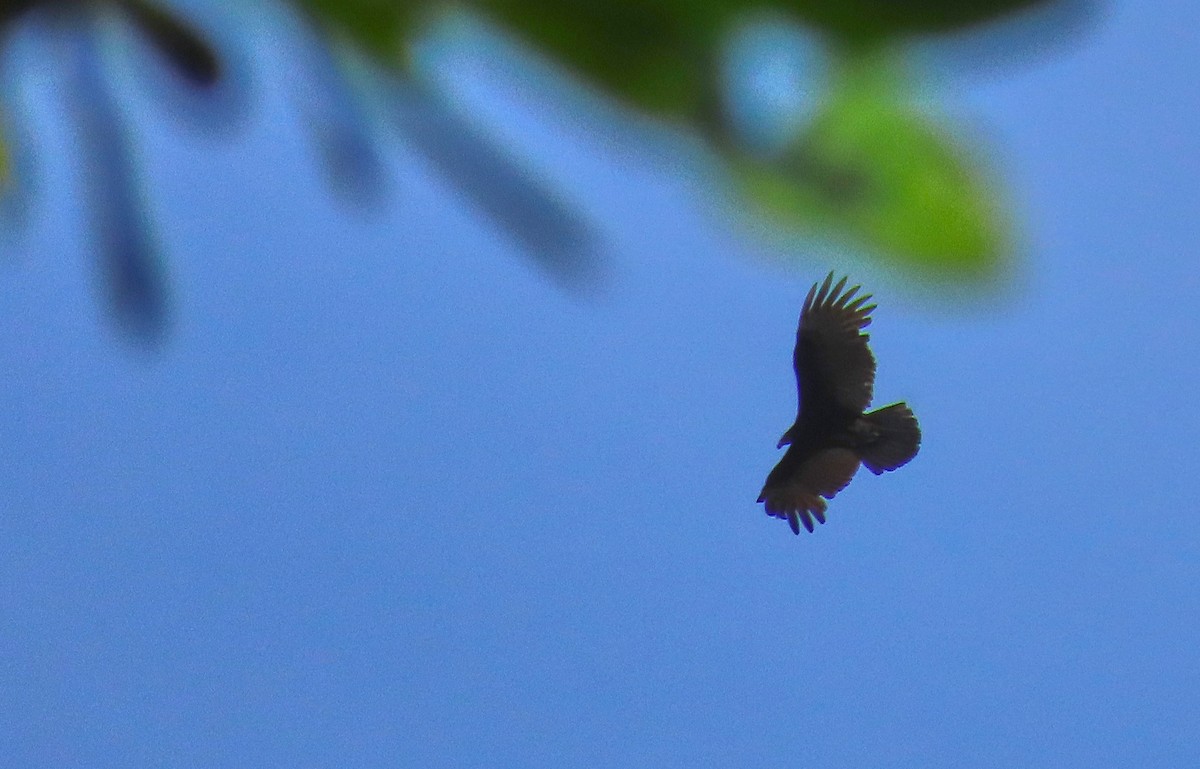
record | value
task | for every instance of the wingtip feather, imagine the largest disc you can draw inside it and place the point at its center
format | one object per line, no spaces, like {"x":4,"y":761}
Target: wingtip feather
{"x":823,"y":293}
{"x":808,"y":300}
{"x":857,"y":304}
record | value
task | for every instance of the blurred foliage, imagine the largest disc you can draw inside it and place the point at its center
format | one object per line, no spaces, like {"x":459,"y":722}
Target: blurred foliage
{"x":873,"y":170}
{"x":868,"y":168}
{"x":655,"y":55}
{"x":381,"y":27}
{"x":864,"y":21}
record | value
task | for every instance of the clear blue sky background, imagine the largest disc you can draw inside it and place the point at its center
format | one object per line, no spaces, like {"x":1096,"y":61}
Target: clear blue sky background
{"x":388,"y":498}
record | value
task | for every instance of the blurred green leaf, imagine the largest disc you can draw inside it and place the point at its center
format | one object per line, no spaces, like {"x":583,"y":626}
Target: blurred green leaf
{"x":380,"y":27}
{"x":872,"y":20}
{"x":873,"y":169}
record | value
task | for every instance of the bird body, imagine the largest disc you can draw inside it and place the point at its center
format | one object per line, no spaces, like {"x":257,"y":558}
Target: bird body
{"x":833,"y":434}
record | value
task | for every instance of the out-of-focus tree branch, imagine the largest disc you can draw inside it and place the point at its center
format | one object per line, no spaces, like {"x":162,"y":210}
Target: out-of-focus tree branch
{"x":868,"y":167}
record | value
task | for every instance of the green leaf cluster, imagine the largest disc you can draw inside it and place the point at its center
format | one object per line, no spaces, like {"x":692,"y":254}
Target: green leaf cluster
{"x":875,"y":170}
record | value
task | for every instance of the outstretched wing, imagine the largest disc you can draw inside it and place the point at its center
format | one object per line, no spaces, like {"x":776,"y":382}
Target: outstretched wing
{"x":834,"y":366}
{"x":794,"y":491}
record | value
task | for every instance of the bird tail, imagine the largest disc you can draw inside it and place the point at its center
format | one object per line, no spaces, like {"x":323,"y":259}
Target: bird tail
{"x":895,"y":438}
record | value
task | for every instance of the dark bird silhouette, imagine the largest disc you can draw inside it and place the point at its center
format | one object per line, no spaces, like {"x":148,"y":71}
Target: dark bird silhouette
{"x":835,"y":377}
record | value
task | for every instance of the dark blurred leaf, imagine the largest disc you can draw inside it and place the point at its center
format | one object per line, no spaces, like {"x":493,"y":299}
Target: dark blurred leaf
{"x":516,"y":200}
{"x":192,"y":56}
{"x":338,"y":120}
{"x":654,"y":55}
{"x":10,"y":9}
{"x":119,"y":215}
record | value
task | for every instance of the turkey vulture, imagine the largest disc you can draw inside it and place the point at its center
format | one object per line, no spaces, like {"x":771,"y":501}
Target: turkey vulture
{"x":835,"y":374}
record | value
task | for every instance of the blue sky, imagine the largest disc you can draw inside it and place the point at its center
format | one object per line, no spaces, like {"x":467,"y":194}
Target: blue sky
{"x":389,"y":498}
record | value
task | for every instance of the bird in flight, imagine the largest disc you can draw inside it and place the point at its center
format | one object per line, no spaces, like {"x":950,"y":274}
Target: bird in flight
{"x":833,"y":433}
